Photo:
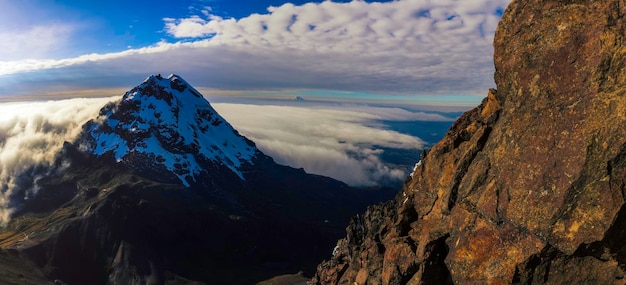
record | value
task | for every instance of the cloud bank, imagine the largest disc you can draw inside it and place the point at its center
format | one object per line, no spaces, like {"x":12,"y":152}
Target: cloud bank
{"x":345,"y":144}
{"x":31,"y":134}
{"x":409,"y":47}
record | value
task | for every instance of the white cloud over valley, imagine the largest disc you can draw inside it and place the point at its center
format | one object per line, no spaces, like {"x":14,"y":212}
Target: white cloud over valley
{"x":31,"y":134}
{"x":345,"y":144}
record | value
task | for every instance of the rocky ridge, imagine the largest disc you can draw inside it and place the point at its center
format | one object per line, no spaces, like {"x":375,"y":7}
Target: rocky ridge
{"x":529,"y":187}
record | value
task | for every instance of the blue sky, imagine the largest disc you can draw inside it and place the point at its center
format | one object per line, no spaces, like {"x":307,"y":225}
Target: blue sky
{"x":403,"y":48}
{"x":115,"y":25}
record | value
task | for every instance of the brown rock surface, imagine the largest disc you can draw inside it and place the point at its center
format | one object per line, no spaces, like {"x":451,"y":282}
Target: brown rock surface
{"x":529,"y":187}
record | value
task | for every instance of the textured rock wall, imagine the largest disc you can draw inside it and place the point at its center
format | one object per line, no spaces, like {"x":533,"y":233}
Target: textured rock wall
{"x":529,"y":186}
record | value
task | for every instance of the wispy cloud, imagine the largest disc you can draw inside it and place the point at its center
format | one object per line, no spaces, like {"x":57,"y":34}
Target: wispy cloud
{"x":30,"y":31}
{"x":408,"y":46}
{"x":33,"y":42}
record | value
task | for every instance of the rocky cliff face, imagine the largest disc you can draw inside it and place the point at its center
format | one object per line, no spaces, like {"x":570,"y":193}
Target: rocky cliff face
{"x":529,"y":187}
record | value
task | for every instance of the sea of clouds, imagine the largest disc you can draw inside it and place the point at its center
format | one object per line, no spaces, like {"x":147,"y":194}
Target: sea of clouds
{"x":341,"y":142}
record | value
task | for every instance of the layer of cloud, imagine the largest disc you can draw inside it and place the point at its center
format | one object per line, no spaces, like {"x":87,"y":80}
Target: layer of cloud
{"x":31,"y":134}
{"x":344,"y":144}
{"x":407,"y":46}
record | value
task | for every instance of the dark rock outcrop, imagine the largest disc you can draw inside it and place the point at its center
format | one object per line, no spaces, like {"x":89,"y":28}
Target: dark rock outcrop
{"x":529,"y":187}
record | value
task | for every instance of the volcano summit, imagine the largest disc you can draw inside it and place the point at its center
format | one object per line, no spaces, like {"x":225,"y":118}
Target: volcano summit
{"x":166,"y":126}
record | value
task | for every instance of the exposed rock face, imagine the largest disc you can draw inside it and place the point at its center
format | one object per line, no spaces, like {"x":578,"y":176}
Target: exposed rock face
{"x":529,"y":187}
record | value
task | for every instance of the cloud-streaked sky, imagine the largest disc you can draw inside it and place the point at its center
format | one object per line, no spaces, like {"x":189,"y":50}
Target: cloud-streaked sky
{"x":395,"y":48}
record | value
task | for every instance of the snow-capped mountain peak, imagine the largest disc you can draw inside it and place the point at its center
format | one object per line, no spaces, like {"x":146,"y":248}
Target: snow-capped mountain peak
{"x":165,"y":125}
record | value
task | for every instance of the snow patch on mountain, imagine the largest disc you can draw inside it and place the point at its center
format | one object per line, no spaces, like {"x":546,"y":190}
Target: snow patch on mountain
{"x":168,"y":122}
